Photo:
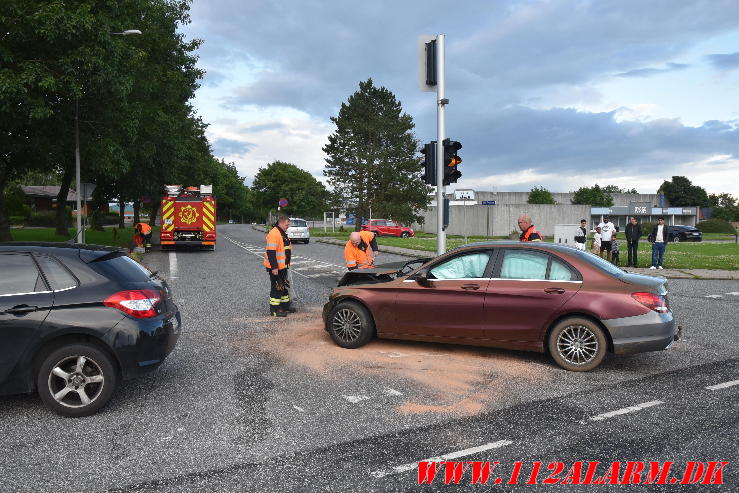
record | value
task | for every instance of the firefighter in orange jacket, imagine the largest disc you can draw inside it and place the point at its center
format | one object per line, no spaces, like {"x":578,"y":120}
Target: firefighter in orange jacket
{"x":145,"y":231}
{"x":277,"y":261}
{"x":369,"y":245}
{"x":528,"y":231}
{"x":356,"y":257}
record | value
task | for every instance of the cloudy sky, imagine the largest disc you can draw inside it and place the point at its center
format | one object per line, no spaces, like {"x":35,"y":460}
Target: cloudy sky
{"x":560,"y":93}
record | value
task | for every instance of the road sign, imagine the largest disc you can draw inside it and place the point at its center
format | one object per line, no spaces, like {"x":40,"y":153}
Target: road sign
{"x":283,"y":203}
{"x":488,"y":202}
{"x":464,"y":195}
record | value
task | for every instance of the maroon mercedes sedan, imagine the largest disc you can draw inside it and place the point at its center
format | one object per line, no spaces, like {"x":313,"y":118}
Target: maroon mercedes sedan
{"x":527,"y":296}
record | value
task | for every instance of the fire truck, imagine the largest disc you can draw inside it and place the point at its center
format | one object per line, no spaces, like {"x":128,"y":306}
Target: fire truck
{"x":188,"y":217}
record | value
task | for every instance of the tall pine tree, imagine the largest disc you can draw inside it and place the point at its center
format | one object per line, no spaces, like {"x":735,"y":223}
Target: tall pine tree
{"x":372,"y":157}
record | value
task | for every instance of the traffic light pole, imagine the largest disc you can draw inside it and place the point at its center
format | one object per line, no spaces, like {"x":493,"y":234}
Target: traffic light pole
{"x":440,"y":136}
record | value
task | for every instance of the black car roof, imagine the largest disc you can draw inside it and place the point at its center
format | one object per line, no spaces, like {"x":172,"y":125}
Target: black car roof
{"x":85,"y":252}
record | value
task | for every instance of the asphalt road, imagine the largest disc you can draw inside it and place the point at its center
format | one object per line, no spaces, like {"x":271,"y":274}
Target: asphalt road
{"x":250,"y":403}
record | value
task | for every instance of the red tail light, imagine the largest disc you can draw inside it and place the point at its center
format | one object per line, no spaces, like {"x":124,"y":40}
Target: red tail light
{"x":652,"y":301}
{"x":138,"y":303}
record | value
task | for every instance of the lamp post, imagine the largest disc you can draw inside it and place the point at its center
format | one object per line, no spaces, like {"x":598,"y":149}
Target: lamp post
{"x":80,"y":236}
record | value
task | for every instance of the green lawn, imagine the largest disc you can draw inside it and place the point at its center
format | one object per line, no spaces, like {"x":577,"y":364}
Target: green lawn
{"x":122,"y":237}
{"x":678,"y":255}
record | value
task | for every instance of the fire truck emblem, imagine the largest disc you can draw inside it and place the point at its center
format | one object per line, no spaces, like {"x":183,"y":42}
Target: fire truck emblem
{"x":188,"y":214}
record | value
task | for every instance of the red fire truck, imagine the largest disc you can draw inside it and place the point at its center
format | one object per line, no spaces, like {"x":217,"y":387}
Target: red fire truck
{"x":188,"y":217}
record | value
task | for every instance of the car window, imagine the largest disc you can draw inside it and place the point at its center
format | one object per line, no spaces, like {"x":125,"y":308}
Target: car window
{"x":390,"y":223}
{"x":559,"y":272}
{"x":20,"y":275}
{"x":56,"y":274}
{"x":470,"y":265}
{"x":524,"y":264}
{"x":122,"y":268}
{"x":378,"y":223}
{"x":298,"y":223}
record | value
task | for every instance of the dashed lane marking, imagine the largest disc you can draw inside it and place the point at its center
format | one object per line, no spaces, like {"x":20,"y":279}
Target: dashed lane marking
{"x":714,"y":296}
{"x":625,"y":410}
{"x":255,"y":253}
{"x":453,"y":455}
{"x":733,"y":293}
{"x":355,"y":398}
{"x":172,"y":265}
{"x":391,"y":391}
{"x":723,"y":385}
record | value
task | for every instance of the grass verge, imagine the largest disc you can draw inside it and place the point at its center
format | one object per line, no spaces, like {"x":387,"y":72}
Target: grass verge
{"x":109,"y":236}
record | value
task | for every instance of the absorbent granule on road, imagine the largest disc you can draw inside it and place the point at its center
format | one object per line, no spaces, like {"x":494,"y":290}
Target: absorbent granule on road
{"x":446,"y":378}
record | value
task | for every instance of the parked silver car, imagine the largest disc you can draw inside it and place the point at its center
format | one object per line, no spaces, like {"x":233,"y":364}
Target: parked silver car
{"x":298,"y":230}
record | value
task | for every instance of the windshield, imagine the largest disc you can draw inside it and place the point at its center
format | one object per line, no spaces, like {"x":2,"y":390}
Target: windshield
{"x":298,"y":223}
{"x":600,"y":263}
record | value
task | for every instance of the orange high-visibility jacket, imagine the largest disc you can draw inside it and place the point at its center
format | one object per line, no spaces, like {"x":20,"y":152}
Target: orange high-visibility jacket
{"x":367,"y":237}
{"x":275,"y":243}
{"x":356,"y":258}
{"x":145,"y":228}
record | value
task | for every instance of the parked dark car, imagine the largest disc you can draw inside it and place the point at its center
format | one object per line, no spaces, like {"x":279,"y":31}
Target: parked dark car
{"x":386,"y":227}
{"x":533,"y":296}
{"x":683,"y":233}
{"x":75,"y":319}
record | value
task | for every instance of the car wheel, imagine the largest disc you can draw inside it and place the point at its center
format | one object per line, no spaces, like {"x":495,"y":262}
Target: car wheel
{"x":307,"y":241}
{"x":676,"y":239}
{"x":76,"y":380}
{"x":577,"y":344}
{"x":405,"y":234}
{"x":351,"y":325}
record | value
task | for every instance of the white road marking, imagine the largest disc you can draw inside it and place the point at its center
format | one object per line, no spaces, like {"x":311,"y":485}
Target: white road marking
{"x":723,"y":385}
{"x":299,"y":408}
{"x":733,"y":293}
{"x":260,"y":255}
{"x":355,"y":398}
{"x":714,"y":296}
{"x":454,"y":455}
{"x":391,"y":391}
{"x":625,"y":410}
{"x":172,"y":265}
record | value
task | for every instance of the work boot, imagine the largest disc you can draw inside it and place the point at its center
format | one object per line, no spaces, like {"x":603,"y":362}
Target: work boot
{"x":281,"y":314}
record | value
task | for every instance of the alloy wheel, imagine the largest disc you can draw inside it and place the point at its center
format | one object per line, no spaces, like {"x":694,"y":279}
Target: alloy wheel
{"x":577,"y":345}
{"x":347,"y":325}
{"x":76,"y":381}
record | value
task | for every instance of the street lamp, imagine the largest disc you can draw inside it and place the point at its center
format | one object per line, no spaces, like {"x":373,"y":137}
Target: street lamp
{"x":80,"y":236}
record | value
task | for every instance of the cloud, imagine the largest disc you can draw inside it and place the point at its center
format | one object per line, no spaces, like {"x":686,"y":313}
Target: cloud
{"x":724,"y":61}
{"x":230,"y":147}
{"x":650,"y":71}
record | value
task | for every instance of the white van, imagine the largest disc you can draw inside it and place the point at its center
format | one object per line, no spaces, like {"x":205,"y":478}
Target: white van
{"x":298,"y":230}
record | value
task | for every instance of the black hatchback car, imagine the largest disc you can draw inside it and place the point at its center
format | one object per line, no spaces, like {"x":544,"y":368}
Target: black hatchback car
{"x":75,"y":319}
{"x":679,"y":233}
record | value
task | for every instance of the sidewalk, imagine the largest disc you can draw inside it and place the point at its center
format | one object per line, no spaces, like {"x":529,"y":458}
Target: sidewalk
{"x":708,"y":274}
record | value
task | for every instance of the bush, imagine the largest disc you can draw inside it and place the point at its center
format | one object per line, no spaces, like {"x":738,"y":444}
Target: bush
{"x":111,"y":218}
{"x":716,"y":226}
{"x":47,"y":219}
{"x":646,"y":228}
{"x":17,"y":220}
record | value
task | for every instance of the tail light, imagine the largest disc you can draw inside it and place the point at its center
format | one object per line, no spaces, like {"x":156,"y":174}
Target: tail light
{"x":138,"y":303}
{"x":652,"y":301}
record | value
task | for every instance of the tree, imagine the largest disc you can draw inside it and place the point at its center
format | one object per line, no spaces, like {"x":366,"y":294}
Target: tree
{"x":540,"y":195}
{"x":724,"y":206}
{"x":617,"y":189}
{"x":681,"y":192}
{"x":372,"y":157}
{"x":306,"y":196}
{"x":594,"y":196}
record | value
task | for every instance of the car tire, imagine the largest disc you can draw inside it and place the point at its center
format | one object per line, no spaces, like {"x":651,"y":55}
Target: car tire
{"x":60,"y":370}
{"x":577,"y":344}
{"x":306,"y":241}
{"x":350,"y":325}
{"x":405,"y":234}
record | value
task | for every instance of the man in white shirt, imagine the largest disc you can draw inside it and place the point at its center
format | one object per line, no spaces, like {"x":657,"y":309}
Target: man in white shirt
{"x":606,"y":231}
{"x":658,"y":238}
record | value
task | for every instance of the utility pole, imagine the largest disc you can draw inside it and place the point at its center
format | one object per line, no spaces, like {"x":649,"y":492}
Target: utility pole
{"x":80,"y":236}
{"x":440,"y":136}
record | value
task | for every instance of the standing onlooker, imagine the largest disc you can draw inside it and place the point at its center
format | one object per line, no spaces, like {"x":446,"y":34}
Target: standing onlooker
{"x":658,"y":239}
{"x":581,"y":236}
{"x":595,"y":248}
{"x":606,"y":230}
{"x":614,"y":249}
{"x":633,"y":233}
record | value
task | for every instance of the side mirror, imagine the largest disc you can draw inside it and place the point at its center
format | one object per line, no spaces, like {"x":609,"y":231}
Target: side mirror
{"x":422,"y":278}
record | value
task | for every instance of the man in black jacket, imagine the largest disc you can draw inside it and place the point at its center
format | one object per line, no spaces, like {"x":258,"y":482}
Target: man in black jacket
{"x":633,"y":232}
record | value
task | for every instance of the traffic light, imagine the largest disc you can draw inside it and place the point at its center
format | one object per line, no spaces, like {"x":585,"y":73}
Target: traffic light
{"x":451,"y":160}
{"x":429,"y":151}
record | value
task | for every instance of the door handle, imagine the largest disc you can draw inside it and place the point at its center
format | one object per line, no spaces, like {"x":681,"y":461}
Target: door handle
{"x":554,"y":290}
{"x":21,"y":309}
{"x":473,"y":287}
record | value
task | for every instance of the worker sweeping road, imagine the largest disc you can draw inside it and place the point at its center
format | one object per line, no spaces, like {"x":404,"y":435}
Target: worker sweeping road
{"x":145,"y":231}
{"x":357,"y":253}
